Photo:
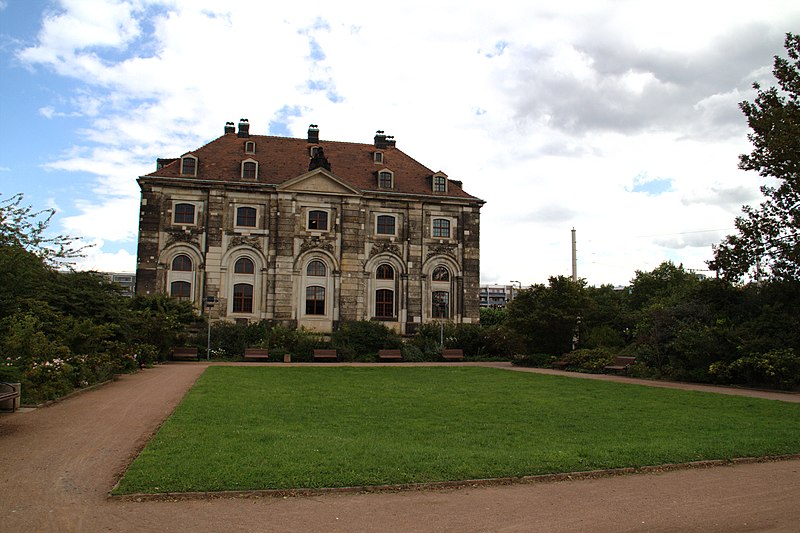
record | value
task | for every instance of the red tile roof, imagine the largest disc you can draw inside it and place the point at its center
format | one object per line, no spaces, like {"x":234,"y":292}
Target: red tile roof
{"x":282,"y":158}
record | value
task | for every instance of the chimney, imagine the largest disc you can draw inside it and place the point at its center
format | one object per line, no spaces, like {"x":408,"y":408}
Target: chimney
{"x":313,"y":134}
{"x":390,"y":141}
{"x":244,"y":128}
{"x":380,"y":140}
{"x":230,"y":128}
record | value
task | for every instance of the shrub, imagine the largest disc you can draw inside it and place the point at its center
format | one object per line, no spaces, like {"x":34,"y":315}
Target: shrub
{"x":361,"y":340}
{"x":776,"y":368}
{"x":590,"y":360}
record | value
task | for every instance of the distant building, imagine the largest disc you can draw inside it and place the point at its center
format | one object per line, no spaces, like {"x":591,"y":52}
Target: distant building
{"x":309,"y":233}
{"x":497,"y":295}
{"x":126,"y":280}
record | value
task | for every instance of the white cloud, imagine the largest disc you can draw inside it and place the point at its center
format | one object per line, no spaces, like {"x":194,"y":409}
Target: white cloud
{"x":548,"y":112}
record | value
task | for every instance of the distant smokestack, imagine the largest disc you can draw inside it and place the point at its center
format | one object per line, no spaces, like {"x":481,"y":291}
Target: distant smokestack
{"x":574,"y":257}
{"x":230,"y":127}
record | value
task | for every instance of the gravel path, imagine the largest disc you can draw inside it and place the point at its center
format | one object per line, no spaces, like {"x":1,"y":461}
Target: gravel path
{"x":57,"y":465}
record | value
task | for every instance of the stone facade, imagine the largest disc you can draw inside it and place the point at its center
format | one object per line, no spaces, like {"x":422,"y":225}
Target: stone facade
{"x":310,"y":233}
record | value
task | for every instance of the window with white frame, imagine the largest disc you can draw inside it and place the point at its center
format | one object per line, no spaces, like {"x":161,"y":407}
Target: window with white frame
{"x":184,"y":213}
{"x":246,"y":217}
{"x":385,"y":225}
{"x":188,"y":165}
{"x":385,"y":179}
{"x":441,"y":228}
{"x":249,"y":169}
{"x":318,"y":220}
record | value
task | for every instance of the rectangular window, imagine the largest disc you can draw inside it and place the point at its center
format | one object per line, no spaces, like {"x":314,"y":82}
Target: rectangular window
{"x":384,"y":303}
{"x":188,"y":166}
{"x":440,"y":304}
{"x":246,"y":217}
{"x":249,"y":170}
{"x":318,"y":220}
{"x":441,"y":227}
{"x":385,"y":225}
{"x":242,"y":298}
{"x":184,"y":214}
{"x":439,"y":184}
{"x":180,"y":290}
{"x":315,"y":300}
{"x":385,"y":180}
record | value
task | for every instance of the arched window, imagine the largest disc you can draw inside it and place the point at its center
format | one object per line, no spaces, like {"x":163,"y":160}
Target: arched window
{"x":384,"y":303}
{"x":184,"y":214}
{"x":441,"y":227}
{"x":384,"y":271}
{"x":440,"y":274}
{"x":318,"y":220}
{"x":385,"y":225}
{"x":243,"y":297}
{"x":180,"y":290}
{"x":182,"y":263}
{"x":440,"y":304}
{"x":315,"y":300}
{"x":315,"y":268}
{"x":243,"y":266}
{"x":246,"y":216}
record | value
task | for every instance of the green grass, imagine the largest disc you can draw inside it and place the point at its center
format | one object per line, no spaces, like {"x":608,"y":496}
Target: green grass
{"x":274,"y":428}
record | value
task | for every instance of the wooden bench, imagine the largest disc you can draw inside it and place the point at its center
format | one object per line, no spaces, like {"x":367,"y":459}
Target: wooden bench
{"x":9,"y":392}
{"x":325,"y":355}
{"x":185,"y":353}
{"x":390,"y":355}
{"x":256,"y":354}
{"x":453,"y":354}
{"x":560,"y":364}
{"x":621,"y":364}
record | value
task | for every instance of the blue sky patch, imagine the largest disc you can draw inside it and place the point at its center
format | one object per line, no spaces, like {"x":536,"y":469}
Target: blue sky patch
{"x":653,"y":187}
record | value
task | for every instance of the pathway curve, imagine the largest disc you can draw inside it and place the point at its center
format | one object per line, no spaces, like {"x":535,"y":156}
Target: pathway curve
{"x":57,"y":465}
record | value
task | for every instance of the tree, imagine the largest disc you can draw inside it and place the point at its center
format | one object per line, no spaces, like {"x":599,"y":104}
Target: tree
{"x":767,"y":244}
{"x":22,"y":227}
{"x":547,"y":318}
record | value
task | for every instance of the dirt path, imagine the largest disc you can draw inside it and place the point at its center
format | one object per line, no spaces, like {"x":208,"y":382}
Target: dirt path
{"x":57,"y":465}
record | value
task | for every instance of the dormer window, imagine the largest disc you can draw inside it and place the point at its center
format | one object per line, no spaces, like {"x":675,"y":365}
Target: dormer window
{"x":189,"y":165}
{"x":249,"y":169}
{"x":378,"y":157}
{"x":385,"y":179}
{"x":313,"y":151}
{"x":439,"y":183}
{"x":249,"y":147}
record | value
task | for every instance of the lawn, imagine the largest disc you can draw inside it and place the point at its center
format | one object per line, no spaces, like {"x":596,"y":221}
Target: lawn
{"x":303,"y":427}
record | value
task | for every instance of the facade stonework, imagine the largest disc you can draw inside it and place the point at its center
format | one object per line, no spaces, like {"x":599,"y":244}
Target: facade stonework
{"x":310,"y":233}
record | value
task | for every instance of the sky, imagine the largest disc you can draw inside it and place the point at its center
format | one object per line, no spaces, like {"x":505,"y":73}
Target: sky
{"x":619,"y":119}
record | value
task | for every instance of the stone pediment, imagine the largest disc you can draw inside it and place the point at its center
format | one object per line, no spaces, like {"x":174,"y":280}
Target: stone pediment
{"x":319,"y":181}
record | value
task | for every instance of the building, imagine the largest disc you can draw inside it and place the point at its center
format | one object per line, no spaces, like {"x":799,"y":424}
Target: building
{"x":309,"y":232}
{"x":496,"y":295}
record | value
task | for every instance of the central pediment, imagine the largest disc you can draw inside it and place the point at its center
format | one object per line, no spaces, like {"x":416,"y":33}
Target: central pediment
{"x":318,"y":181}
